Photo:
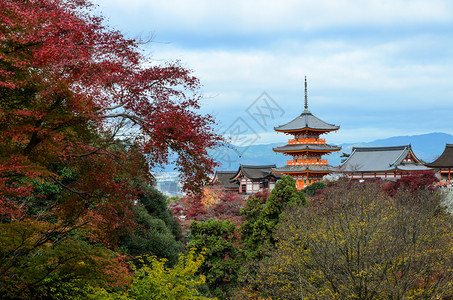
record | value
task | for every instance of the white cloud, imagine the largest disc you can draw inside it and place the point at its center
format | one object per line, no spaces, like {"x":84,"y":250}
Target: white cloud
{"x":375,"y":68}
{"x":358,"y":77}
{"x":254,"y":16}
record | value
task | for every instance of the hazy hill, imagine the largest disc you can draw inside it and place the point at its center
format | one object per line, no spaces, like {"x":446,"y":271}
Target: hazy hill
{"x":426,"y":147}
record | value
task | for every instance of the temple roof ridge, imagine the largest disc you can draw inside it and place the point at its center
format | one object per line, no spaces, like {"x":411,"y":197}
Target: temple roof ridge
{"x":382,"y":148}
{"x":254,"y":171}
{"x":257,"y":166}
{"x":306,"y":120}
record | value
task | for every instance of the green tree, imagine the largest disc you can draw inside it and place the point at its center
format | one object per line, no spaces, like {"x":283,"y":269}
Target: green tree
{"x":312,"y":188}
{"x":261,"y":219}
{"x":258,"y":229}
{"x":218,"y":238}
{"x":156,"y":205}
{"x":157,"y":232}
{"x":251,"y":213}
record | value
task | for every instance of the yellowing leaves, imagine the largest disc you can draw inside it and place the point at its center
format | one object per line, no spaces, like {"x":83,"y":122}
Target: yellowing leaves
{"x":362,"y":244}
{"x":156,"y":281}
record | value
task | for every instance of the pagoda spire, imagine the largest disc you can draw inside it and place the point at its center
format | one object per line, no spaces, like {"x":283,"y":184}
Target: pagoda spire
{"x":306,"y":98}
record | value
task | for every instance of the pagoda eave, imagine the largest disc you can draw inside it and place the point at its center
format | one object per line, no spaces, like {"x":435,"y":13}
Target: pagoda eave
{"x":320,"y":131}
{"x":304,"y":169}
{"x":306,"y":150}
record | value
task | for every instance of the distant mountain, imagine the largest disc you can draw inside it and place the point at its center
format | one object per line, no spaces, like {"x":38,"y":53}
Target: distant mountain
{"x":426,"y":147}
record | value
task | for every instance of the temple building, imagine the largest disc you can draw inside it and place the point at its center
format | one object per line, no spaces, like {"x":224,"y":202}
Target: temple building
{"x":254,"y":179}
{"x":445,"y":165}
{"x":247,"y":179}
{"x":306,"y":148}
{"x":381,"y":162}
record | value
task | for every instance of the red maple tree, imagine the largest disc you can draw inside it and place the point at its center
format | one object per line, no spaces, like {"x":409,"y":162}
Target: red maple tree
{"x":416,"y":181}
{"x":71,"y":87}
{"x":84,"y":113}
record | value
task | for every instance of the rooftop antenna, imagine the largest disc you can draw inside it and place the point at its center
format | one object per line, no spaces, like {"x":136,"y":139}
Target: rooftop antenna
{"x":306,"y":97}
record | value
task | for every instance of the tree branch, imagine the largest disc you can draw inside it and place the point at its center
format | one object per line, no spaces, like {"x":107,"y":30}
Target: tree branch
{"x":127,"y":116}
{"x":108,"y":108}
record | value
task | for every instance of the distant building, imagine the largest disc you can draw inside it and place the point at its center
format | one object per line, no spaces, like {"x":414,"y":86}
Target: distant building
{"x":381,"y":162}
{"x":445,"y":164}
{"x":247,"y":179}
{"x":306,"y":149}
{"x":254,"y":179}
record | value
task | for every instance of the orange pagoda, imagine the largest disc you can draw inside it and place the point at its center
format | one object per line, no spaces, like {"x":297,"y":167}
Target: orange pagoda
{"x":306,"y":148}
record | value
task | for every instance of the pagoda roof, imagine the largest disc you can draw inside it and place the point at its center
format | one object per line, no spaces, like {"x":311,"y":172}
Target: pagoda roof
{"x":302,"y":147}
{"x":378,"y":159}
{"x":306,"y":121}
{"x":223,"y":178}
{"x":254,"y":172}
{"x":304,"y":168}
{"x":445,"y":160}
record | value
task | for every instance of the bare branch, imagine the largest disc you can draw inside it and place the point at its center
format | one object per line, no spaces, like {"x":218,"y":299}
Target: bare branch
{"x":109,"y":108}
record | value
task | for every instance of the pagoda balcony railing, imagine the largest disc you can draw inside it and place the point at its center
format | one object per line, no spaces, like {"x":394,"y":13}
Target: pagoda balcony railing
{"x":304,"y":162}
{"x":306,"y":141}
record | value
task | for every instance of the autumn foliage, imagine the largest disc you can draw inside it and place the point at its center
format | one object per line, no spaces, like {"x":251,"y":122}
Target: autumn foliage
{"x":84,"y":116}
{"x":412,"y":183}
{"x":212,"y":203}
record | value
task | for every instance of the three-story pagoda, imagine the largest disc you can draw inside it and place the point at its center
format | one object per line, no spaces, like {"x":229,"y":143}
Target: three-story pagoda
{"x":306,"y":148}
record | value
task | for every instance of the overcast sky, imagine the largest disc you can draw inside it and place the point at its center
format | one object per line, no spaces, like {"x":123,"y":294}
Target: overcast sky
{"x":377,"y":68}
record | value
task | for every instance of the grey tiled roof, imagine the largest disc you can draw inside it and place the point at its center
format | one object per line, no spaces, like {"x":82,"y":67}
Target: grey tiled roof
{"x":445,"y":160}
{"x":224,"y":177}
{"x":314,"y":168}
{"x":255,"y":172}
{"x":316,"y":147}
{"x":375,"y":159}
{"x":306,"y":120}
